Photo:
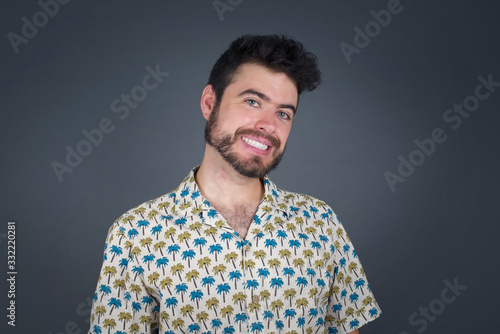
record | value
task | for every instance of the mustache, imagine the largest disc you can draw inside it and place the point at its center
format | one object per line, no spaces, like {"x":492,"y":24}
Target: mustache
{"x":275,"y":142}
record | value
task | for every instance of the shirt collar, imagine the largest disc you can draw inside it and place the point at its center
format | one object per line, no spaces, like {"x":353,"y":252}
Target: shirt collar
{"x":188,"y":201}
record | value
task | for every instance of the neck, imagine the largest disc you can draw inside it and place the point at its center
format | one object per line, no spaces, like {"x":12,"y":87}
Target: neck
{"x":220,"y":183}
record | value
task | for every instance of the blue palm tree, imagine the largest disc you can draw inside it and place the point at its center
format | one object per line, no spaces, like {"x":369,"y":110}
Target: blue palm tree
{"x":195,"y":195}
{"x":240,"y":317}
{"x":294,"y":243}
{"x":167,"y":217}
{"x":216,"y":323}
{"x":276,"y":283}
{"x":194,"y":328}
{"x":346,"y":250}
{"x":123,"y":263}
{"x":304,"y":238}
{"x":271,"y":243}
{"x":114,"y":303}
{"x":302,"y":282}
{"x":215,"y":249}
{"x":293,"y":209}
{"x":223,"y":289}
{"x":314,"y":210}
{"x":116,"y":250}
{"x":337,"y":307}
{"x":360,"y":283}
{"x":256,"y":219}
{"x":106,"y":290}
{"x":373,"y":312}
{"x":132,"y":233}
{"x":96,"y":329}
{"x":354,"y":254}
{"x":147,"y":300}
{"x":172,"y":249}
{"x":316,"y":245}
{"x":282,"y":235}
{"x":269,"y":316}
{"x":138,"y":270}
{"x":136,"y":307}
{"x":229,"y":330}
{"x":256,"y":327}
{"x":288,"y":272}
{"x":180,"y":222}
{"x":320,"y":322}
{"x":343,"y":294}
{"x":290,"y":313}
{"x":142,"y":223}
{"x":342,"y":262}
{"x":181,"y":289}
{"x":311,"y":272}
{"x":226,"y":236}
{"x":264,"y":273}
{"x":171,"y":302}
{"x":127,"y":296}
{"x":324,"y":215}
{"x":156,"y":230}
{"x":200,"y":242}
{"x":251,"y":284}
{"x":323,"y":238}
{"x":353,"y":297}
{"x":162,"y":262}
{"x":148,"y":258}
{"x":212,"y":213}
{"x":354,"y":324}
{"x":313,"y":312}
{"x":306,"y":214}
{"x":241,"y":243}
{"x":279,"y":324}
{"x":188,"y":254}
{"x":301,"y":322}
{"x":235,"y":275}
{"x":196,"y":295}
{"x":207,"y":281}
{"x":333,"y":330}
{"x":320,"y":282}
{"x":185,"y":192}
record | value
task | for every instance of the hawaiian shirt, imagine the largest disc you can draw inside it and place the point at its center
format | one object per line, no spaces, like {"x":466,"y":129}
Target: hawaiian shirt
{"x":174,"y":265}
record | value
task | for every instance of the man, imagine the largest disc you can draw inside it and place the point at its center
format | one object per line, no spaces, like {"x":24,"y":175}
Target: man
{"x":228,"y":251}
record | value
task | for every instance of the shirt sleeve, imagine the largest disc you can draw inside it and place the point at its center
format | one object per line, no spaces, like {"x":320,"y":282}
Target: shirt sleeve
{"x":122,"y":302}
{"x":351,"y":302}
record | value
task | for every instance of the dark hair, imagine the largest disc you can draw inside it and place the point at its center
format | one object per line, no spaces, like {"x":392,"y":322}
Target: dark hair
{"x":277,"y":53}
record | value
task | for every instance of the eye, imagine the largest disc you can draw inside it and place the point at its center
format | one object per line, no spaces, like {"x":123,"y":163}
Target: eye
{"x":284,"y":115}
{"x":252,"y":103}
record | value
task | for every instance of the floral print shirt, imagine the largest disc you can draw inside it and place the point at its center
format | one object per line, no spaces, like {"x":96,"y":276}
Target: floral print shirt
{"x":174,"y":265}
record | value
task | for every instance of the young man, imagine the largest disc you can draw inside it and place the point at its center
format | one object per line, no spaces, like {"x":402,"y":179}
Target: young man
{"x":228,"y":251}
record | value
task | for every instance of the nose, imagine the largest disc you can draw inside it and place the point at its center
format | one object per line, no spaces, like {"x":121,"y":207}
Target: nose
{"x":266,"y":122}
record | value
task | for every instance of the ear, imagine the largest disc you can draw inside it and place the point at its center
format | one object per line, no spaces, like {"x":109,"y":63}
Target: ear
{"x":207,"y":101}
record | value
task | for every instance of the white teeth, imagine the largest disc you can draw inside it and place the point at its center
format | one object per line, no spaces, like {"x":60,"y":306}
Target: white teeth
{"x":255,"y":144}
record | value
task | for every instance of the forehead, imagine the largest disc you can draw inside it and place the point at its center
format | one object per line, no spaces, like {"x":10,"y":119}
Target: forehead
{"x":260,"y":78}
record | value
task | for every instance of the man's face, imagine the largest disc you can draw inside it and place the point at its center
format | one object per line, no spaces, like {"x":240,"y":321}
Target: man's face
{"x":251,"y":125}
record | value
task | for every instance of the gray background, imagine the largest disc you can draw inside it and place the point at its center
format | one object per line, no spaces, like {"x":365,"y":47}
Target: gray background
{"x":440,"y":224}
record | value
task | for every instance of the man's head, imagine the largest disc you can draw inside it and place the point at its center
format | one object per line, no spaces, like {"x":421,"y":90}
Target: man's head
{"x":252,"y":97}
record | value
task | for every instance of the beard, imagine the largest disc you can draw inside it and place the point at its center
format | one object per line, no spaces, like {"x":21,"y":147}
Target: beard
{"x":224,"y":143}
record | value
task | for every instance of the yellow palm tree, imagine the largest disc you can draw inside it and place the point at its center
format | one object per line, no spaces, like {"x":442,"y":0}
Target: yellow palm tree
{"x":146,"y":242}
{"x":177,"y":269}
{"x":353,"y":266}
{"x":140,"y":210}
{"x":213,"y":303}
{"x":100,"y":310}
{"x":164,"y":206}
{"x":134,"y":328}
{"x":110,"y":323}
{"x":152,"y":278}
{"x":136,"y":251}
{"x":301,"y":303}
{"x":164,"y":316}
{"x":202,"y":316}
{"x":146,"y":320}
{"x":219,"y":269}
{"x":260,"y":254}
{"x":170,"y":233}
{"x":184,"y":236}
{"x":290,"y":294}
{"x":307,"y":253}
{"x":196,"y":226}
{"x":119,"y":284}
{"x":110,"y":271}
{"x":187,"y":310}
{"x":204,"y":262}
{"x":285,"y":253}
{"x":159,"y":246}
{"x":265,"y":294}
{"x":178,"y":324}
{"x":135,"y":288}
{"x":192,"y":276}
{"x":254,"y":307}
{"x":166,"y":282}
{"x":125,"y":317}
{"x":211,"y":231}
{"x":152,"y":215}
{"x":298,"y":263}
{"x":230,"y":257}
{"x":249,"y":265}
{"x":238,"y":298}
{"x":277,"y":305}
{"x":274,"y":263}
{"x":227,"y":311}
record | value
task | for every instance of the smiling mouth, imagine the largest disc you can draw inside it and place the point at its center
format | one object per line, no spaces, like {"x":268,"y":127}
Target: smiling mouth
{"x":255,"y":144}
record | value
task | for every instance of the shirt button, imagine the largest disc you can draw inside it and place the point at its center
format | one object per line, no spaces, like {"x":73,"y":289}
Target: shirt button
{"x":247,"y":248}
{"x":255,"y":298}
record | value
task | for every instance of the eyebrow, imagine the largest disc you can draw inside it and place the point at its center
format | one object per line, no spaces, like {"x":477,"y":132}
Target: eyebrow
{"x":267,"y":99}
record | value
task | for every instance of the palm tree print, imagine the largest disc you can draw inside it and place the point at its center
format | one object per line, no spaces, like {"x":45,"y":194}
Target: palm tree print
{"x":174,"y":265}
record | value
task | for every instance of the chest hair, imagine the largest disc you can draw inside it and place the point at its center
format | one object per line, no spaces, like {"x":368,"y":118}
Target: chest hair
{"x":239,"y":217}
